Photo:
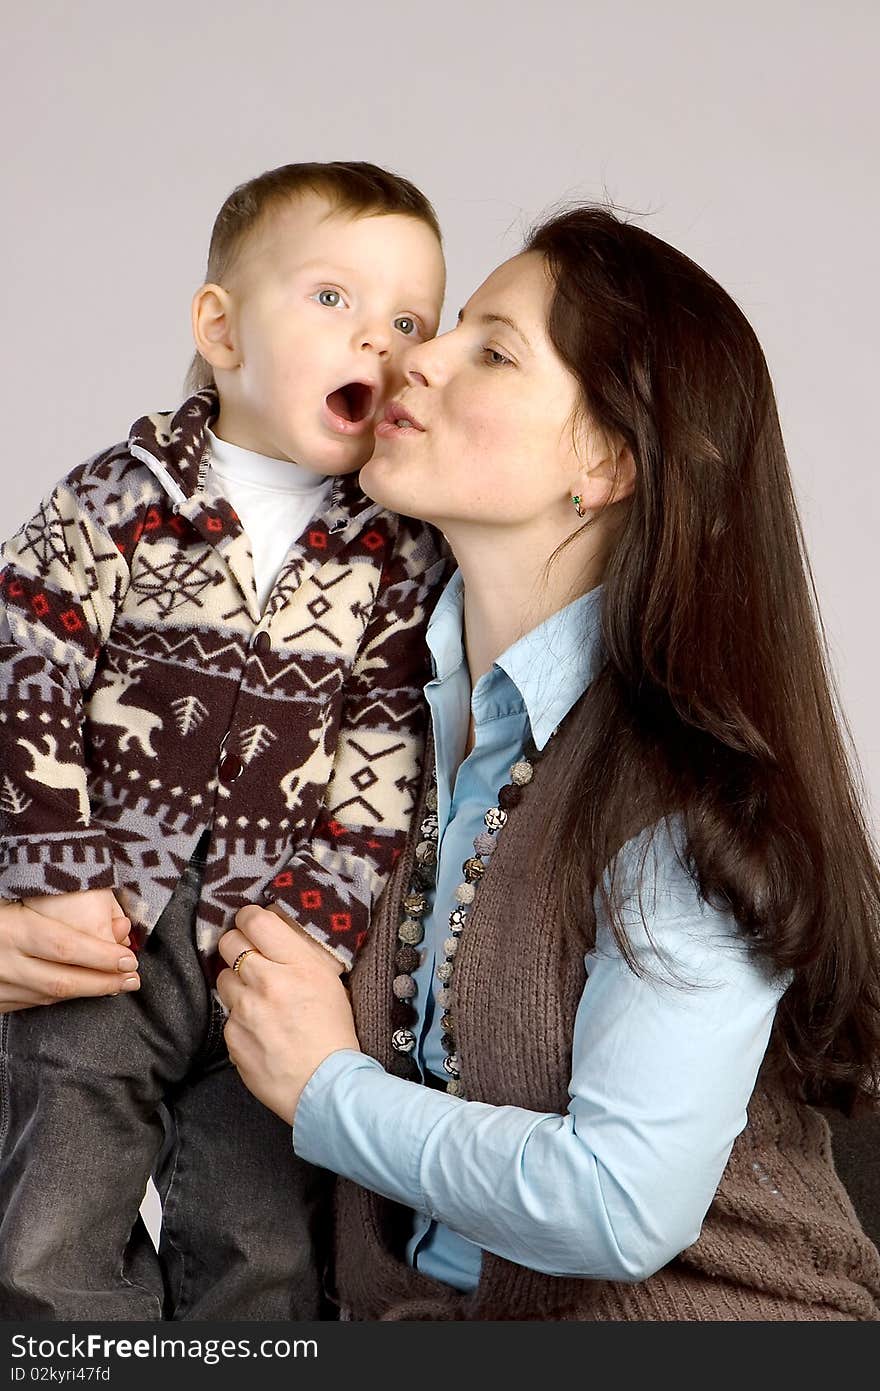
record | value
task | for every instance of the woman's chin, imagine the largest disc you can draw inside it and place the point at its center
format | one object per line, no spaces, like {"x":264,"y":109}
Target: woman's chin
{"x":376,"y":479}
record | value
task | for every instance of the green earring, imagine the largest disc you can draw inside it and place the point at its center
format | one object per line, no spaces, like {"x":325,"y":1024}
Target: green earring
{"x":577,"y":505}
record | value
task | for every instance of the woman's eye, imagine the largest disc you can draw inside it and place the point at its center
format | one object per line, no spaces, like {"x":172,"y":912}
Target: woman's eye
{"x":494,"y":358}
{"x":406,"y":325}
{"x":331,"y":299}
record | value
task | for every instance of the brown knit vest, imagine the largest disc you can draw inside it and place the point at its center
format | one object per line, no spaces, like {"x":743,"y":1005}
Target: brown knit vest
{"x":780,"y":1240}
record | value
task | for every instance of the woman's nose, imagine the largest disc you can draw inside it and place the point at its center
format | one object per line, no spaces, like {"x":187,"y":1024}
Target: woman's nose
{"x":417,"y":361}
{"x":432,"y":362}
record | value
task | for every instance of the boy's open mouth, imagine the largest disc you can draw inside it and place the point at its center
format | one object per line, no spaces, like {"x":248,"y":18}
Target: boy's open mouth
{"x":352,"y":402}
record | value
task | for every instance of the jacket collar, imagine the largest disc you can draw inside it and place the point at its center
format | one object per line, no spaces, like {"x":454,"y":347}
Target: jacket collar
{"x":175,"y":446}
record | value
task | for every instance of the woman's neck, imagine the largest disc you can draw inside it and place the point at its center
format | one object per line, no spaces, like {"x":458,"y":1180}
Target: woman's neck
{"x":508,"y":591}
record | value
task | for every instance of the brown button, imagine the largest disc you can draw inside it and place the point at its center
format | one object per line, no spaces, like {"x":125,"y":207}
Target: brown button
{"x":230,"y":768}
{"x":262,"y":643}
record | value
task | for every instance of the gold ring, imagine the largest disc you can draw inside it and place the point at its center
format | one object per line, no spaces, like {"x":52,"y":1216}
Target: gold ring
{"x":236,"y":965}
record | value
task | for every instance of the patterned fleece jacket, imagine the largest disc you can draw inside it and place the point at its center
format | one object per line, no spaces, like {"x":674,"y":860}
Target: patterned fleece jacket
{"x":144,"y":697}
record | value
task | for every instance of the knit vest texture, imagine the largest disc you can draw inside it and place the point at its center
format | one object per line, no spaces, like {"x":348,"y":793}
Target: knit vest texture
{"x":780,"y":1241}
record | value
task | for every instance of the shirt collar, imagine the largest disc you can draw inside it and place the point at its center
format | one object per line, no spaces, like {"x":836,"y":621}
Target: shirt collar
{"x":232,"y":462}
{"x":551,"y":666}
{"x":444,"y":631}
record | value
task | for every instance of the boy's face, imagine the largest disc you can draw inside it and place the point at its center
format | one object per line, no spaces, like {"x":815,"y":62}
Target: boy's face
{"x":321,"y":306}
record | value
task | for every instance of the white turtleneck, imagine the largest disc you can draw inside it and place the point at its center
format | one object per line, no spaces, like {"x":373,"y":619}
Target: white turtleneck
{"x":274,"y":500}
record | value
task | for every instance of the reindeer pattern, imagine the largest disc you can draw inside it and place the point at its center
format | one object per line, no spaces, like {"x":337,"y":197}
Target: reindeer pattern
{"x":316,"y":767}
{"x":105,"y":707}
{"x":51,"y":771}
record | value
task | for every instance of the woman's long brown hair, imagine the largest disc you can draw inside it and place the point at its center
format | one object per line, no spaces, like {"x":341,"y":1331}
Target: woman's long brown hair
{"x":716,"y":702}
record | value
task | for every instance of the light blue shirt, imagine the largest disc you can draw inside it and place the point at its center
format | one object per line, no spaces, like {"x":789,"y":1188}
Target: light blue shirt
{"x":663,"y":1064}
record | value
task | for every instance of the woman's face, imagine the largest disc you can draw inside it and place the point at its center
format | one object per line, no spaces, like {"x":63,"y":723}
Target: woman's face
{"x":492,"y":405}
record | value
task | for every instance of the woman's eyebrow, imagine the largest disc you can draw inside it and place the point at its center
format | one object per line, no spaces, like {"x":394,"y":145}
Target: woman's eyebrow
{"x":499,"y":319}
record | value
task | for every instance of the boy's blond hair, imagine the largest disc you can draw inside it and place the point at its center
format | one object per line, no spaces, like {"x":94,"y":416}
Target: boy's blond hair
{"x":355,"y":188}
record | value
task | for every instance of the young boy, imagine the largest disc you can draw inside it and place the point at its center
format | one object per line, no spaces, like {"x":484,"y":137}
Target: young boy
{"x":211,"y":662}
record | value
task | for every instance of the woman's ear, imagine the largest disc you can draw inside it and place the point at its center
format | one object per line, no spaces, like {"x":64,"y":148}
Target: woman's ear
{"x":212,"y":326}
{"x":611,"y":477}
{"x":625,"y":474}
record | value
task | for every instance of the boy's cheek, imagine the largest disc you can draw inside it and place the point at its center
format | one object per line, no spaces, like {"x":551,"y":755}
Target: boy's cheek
{"x":365,"y":454}
{"x":356,"y":462}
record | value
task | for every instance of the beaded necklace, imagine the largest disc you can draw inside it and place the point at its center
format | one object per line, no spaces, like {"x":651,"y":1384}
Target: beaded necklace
{"x":416,"y":902}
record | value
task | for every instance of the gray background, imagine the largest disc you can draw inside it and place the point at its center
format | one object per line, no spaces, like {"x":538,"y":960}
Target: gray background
{"x":745,"y":132}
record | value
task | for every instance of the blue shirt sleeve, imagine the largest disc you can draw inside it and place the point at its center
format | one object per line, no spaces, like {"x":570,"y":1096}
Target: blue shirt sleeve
{"x":663,"y":1065}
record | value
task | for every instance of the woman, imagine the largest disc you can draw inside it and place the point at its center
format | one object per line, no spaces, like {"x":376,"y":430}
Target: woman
{"x":654,"y":903}
{"x":628,"y":674}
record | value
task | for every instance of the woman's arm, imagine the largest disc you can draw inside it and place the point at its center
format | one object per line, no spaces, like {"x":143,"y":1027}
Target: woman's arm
{"x":661,"y":1077}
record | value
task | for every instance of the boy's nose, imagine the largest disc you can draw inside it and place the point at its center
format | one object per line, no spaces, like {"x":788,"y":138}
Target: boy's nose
{"x":377,"y":339}
{"x":381,"y":349}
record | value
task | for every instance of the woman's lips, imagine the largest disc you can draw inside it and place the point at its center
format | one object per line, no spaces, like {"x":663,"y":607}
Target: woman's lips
{"x":398,"y":421}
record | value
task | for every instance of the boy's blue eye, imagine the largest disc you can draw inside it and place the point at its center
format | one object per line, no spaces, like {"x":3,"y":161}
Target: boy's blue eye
{"x":331,"y":299}
{"x":404,"y":324}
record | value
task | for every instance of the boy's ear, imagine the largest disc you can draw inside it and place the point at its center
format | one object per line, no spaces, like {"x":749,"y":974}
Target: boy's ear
{"x":212,"y":327}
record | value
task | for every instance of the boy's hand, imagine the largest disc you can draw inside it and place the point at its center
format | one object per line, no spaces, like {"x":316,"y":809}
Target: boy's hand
{"x":43,"y":961}
{"x":91,"y":910}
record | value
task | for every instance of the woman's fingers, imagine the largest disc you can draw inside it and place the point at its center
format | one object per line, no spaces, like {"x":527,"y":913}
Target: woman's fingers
{"x":47,"y":982}
{"x":46,"y":939}
{"x":40,"y":983}
{"x":231,"y":984}
{"x":120,"y":923}
{"x":92,"y":910}
{"x":268,"y":932}
{"x":280,"y":939}
{"x":43,"y":961}
{"x":232,"y":943}
{"x":230,"y":989}
{"x":17,"y":997}
{"x":68,"y":986}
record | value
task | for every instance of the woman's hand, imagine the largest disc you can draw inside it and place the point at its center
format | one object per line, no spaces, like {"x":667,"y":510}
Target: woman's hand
{"x":43,"y":961}
{"x":288,"y":1008}
{"x":90,"y":910}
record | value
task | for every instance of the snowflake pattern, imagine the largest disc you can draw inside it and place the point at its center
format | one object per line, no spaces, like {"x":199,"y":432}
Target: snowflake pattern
{"x":174,"y":583}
